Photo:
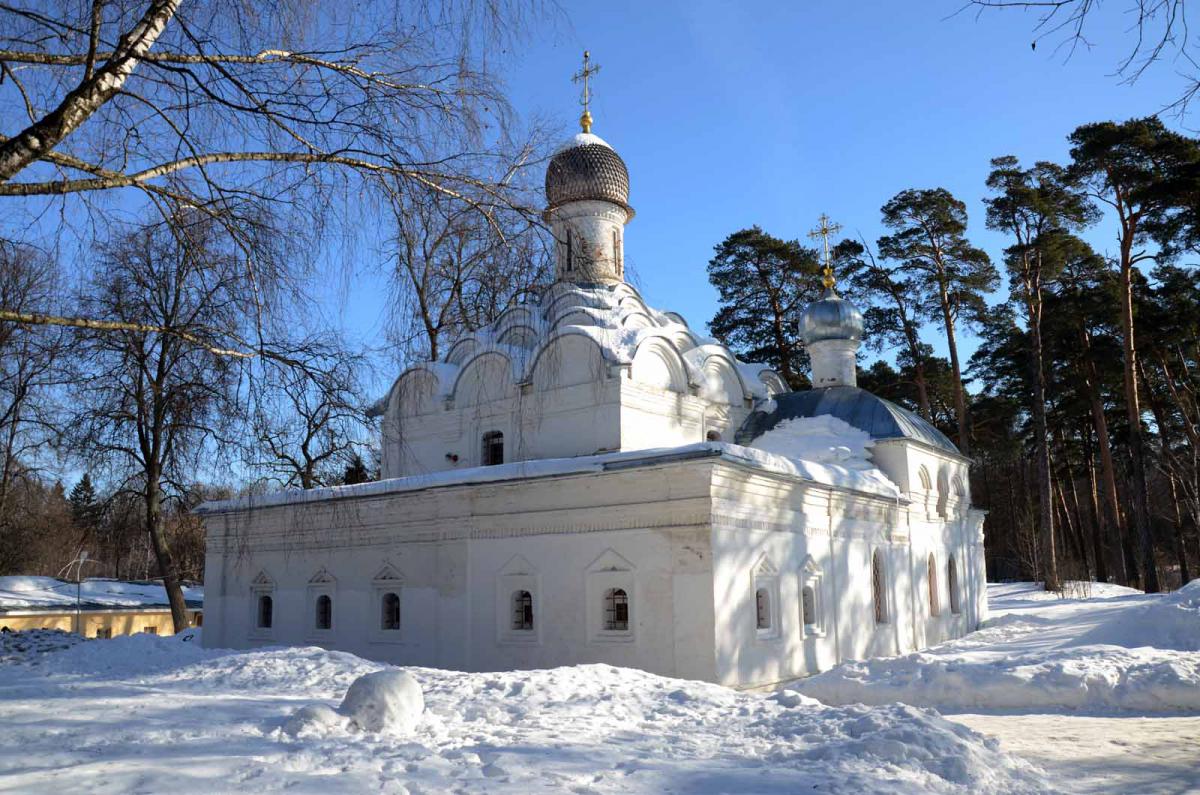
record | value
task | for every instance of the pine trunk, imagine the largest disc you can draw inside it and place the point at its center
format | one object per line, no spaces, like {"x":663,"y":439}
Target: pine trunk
{"x":1044,"y":485}
{"x":1137,"y":442}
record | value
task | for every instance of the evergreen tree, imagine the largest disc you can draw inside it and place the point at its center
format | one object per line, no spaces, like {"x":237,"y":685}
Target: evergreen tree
{"x":1035,"y":206}
{"x":950,"y":276}
{"x":1140,"y":170}
{"x":764,"y":283}
{"x":85,"y":508}
{"x":892,"y":316}
{"x":356,"y":471}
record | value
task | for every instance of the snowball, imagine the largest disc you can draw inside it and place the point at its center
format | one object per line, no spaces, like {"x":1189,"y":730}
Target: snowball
{"x":313,"y":718}
{"x":388,"y":700}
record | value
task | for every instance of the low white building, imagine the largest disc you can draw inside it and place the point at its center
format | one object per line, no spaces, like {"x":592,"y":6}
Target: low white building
{"x":590,"y":480}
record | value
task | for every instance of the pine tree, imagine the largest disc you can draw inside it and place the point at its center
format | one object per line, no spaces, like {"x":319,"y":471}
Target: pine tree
{"x":950,"y":275}
{"x":764,"y":283}
{"x":83,"y":503}
{"x":1147,"y":175}
{"x":356,"y":471}
{"x":1036,"y":206}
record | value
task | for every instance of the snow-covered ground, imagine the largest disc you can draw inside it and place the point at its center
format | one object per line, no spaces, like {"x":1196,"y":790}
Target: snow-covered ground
{"x":1098,"y":692}
{"x":1102,"y":692}
{"x":149,"y":714}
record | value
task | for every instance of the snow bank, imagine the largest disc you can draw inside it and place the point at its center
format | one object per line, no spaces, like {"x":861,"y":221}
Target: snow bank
{"x":1122,"y":650}
{"x":384,"y":701}
{"x":194,"y":720}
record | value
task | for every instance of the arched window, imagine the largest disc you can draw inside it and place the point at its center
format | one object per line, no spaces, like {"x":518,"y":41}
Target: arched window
{"x":522,"y":606}
{"x":934,"y":607}
{"x":762,"y":605}
{"x":808,"y":607}
{"x":713,"y":436}
{"x":952,"y":581}
{"x":390,"y":619}
{"x":324,"y":612}
{"x":266,"y":611}
{"x":877,"y":589}
{"x":616,"y":609}
{"x":493,"y":449}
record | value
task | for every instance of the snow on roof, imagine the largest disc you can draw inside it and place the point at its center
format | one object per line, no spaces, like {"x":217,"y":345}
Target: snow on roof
{"x":19,"y":592}
{"x":828,"y":473}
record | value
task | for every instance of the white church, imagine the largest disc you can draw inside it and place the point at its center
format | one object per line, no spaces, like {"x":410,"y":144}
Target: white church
{"x":590,"y":480}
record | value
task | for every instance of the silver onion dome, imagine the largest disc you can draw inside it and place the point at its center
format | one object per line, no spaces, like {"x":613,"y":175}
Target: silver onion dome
{"x":830,"y":318}
{"x":586,"y":169}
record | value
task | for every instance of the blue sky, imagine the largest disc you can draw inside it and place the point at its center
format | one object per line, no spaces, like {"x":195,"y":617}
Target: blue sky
{"x":733,"y":114}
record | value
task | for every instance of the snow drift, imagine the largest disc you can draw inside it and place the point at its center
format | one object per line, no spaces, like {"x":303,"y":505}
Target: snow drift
{"x":1129,"y":652}
{"x":189,"y":719}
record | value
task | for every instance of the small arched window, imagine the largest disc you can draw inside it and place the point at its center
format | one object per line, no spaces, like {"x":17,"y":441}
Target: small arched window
{"x":266,"y":611}
{"x":713,"y":436}
{"x":324,"y":612}
{"x":808,"y":607}
{"x":934,"y":607}
{"x":616,"y":609}
{"x":493,"y":449}
{"x":390,"y":606}
{"x":877,"y":589}
{"x":952,"y":582}
{"x":762,"y":605}
{"x":522,"y":607}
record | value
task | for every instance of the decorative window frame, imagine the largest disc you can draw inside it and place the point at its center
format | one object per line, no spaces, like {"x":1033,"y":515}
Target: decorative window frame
{"x":610,"y":571}
{"x":518,"y":574}
{"x":765,"y":577}
{"x":811,"y":577}
{"x":387,"y":580}
{"x":263,"y":585}
{"x":321,"y":584}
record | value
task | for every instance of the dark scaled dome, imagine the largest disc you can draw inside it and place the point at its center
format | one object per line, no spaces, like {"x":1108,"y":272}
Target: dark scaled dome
{"x":586,"y":169}
{"x":830,"y":318}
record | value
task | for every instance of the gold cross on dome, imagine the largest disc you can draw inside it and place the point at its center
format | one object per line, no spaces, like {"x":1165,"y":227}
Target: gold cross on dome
{"x":825,"y":228}
{"x":585,"y":99}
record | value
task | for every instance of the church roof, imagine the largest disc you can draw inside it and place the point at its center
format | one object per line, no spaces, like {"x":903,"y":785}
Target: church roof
{"x":881,"y":418}
{"x":614,"y":318}
{"x":587,"y":168}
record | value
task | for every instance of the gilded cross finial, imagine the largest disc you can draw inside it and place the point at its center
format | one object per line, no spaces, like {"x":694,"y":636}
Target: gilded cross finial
{"x":585,"y":98}
{"x":825,"y":228}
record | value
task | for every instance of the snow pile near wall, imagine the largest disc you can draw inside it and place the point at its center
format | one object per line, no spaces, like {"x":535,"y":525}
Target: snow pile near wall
{"x":832,"y":451}
{"x":196,"y":720}
{"x":1119,"y":651}
{"x":24,"y":592}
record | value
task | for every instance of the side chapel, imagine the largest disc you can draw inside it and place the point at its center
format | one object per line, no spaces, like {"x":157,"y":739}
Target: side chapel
{"x":587,"y":479}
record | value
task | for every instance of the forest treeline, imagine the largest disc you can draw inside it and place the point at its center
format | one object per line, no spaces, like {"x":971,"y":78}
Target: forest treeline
{"x":1080,"y":404}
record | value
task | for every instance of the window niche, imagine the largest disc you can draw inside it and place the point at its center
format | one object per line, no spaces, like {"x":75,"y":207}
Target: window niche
{"x":766,"y":600}
{"x":492,"y":452}
{"x":262,"y":606}
{"x":952,"y":585}
{"x":935,"y":603}
{"x":518,"y":618}
{"x":387,"y":597}
{"x":322,"y":602}
{"x":879,"y":592}
{"x":812,"y":607}
{"x":611,"y":600}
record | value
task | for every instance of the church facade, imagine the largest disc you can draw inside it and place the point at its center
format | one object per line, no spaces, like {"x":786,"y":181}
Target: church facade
{"x":589,"y":479}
